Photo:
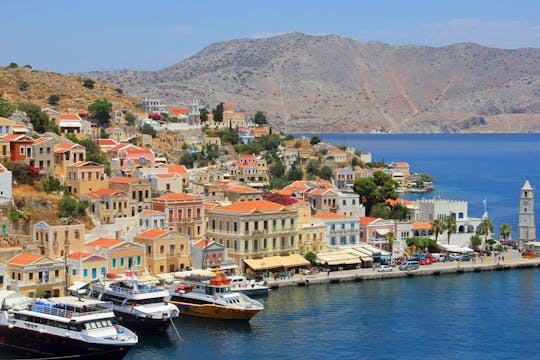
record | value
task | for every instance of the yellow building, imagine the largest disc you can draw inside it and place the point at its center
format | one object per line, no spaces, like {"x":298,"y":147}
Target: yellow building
{"x":36,"y":275}
{"x":85,"y":267}
{"x":166,"y":251}
{"x":122,"y":256}
{"x":254,"y":229}
{"x":55,"y":241}
{"x":85,"y":176}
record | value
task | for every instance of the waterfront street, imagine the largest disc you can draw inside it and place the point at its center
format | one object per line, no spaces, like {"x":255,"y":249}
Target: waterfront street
{"x":512,"y":260}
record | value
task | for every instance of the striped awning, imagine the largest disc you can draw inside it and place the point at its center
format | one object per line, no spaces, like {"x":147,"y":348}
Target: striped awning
{"x":276,"y":262}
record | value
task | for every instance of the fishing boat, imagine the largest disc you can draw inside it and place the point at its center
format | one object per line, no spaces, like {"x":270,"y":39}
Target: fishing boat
{"x":141,"y":308}
{"x":248,"y":287}
{"x":214,"y":299}
{"x":64,"y":328}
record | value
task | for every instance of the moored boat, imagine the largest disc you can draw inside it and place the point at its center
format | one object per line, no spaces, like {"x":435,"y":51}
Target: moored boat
{"x":141,"y":308}
{"x":63,"y":328}
{"x":248,"y":287}
{"x":213,"y":300}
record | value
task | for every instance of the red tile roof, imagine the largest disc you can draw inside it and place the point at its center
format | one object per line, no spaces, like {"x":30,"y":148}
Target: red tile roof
{"x":366,"y":220}
{"x":91,"y":195}
{"x":177,"y":197}
{"x":392,"y":202}
{"x":105,"y":242}
{"x":420,"y":225}
{"x":150,"y":212}
{"x":331,"y":215}
{"x":24,"y":259}
{"x":78,"y":255}
{"x":180,"y":169}
{"x":104,"y":191}
{"x":40,"y":140}
{"x":152,"y":233}
{"x":203,"y":243}
{"x":123,"y":179}
{"x":252,"y":206}
{"x":69,"y":117}
{"x":106,"y":142}
{"x":179,"y":110}
{"x":243,"y":189}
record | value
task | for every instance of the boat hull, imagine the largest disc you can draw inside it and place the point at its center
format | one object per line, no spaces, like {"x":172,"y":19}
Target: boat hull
{"x":35,"y":344}
{"x":254,"y":291}
{"x":140,"y":324}
{"x":212,"y":311}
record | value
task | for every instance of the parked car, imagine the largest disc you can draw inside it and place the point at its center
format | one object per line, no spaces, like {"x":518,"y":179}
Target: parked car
{"x":465,"y":258}
{"x":409,"y":265}
{"x":311,"y":271}
{"x":440,"y":257}
{"x":385,"y":268}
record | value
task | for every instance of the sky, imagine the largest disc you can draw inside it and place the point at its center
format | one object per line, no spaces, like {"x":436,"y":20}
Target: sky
{"x":78,"y":36}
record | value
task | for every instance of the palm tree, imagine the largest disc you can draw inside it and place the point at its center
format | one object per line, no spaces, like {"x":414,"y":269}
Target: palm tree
{"x":438,"y":227}
{"x":390,"y":237}
{"x":450,"y":226}
{"x":485,"y":228}
{"x":505,"y":230}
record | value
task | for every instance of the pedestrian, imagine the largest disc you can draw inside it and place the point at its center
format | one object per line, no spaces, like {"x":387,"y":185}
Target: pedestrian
{"x":502,"y":257}
{"x":328,"y":273}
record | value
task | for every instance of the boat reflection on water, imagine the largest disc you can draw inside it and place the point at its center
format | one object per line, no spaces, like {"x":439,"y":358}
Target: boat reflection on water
{"x":218,"y":325}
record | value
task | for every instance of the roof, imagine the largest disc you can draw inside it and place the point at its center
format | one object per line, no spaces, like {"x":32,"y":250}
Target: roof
{"x":24,"y":259}
{"x":91,"y":195}
{"x":105,"y":242}
{"x":392,"y":202}
{"x":123,"y":179}
{"x":420,"y":225}
{"x":331,"y":215}
{"x":78,"y":255}
{"x":366,"y":220}
{"x":274,"y":262}
{"x":105,"y":191}
{"x":209,"y":206}
{"x":41,"y":139}
{"x":203,"y":243}
{"x":85,"y":163}
{"x":243,"y":189}
{"x":150,"y":212}
{"x":152,"y":233}
{"x":177,"y":197}
{"x":106,"y":142}
{"x":167,"y":175}
{"x":17,"y":137}
{"x":180,"y":169}
{"x":252,"y":206}
{"x":400,"y":164}
{"x":69,"y":117}
{"x":179,"y":110}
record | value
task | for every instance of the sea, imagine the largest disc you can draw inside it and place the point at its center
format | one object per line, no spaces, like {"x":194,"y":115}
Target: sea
{"x":488,"y":315}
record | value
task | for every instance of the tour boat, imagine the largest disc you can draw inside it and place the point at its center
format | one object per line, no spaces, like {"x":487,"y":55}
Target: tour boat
{"x":64,"y":328}
{"x":142,"y":308}
{"x":249,"y":287}
{"x":214,"y":300}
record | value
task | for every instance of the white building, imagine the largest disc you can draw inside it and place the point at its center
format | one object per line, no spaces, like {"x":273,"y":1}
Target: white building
{"x":6,"y":190}
{"x":341,"y":230}
{"x":153,"y":105}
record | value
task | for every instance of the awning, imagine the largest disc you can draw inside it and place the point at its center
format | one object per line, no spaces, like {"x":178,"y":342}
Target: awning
{"x":339,"y":257}
{"x":456,"y":249}
{"x":382,"y":232}
{"x":77,"y":286}
{"x":276,"y":262}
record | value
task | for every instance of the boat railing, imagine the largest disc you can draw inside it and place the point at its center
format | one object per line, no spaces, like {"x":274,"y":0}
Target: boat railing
{"x":50,"y":309}
{"x":141,"y":289}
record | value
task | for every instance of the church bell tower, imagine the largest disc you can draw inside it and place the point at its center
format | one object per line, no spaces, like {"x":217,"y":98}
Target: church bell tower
{"x":526,"y":226}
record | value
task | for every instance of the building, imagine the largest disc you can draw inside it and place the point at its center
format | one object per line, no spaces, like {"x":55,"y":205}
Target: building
{"x":66,"y":154}
{"x":207,"y":253}
{"x":184,"y":213}
{"x":57,"y":241}
{"x":6,"y":126}
{"x":344,"y":178}
{"x":153,"y":106}
{"x":85,"y":267}
{"x":254,"y":229}
{"x":122,"y":256}
{"x":168,"y":182}
{"x":36,"y":275}
{"x":6,"y":185}
{"x":152,"y":219}
{"x":85,"y":176}
{"x":242,"y":193}
{"x":108,"y":204}
{"x":526,"y":225}
{"x":43,"y":155}
{"x":341,"y":230}
{"x":20,"y":146}
{"x":166,"y":251}
{"x":374,"y":232}
{"x":138,"y":190}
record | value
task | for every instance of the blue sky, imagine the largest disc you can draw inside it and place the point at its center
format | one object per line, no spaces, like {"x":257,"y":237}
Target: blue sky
{"x":71,"y":35}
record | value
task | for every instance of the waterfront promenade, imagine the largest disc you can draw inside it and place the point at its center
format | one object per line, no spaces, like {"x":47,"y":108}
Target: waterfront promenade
{"x":512,"y":260}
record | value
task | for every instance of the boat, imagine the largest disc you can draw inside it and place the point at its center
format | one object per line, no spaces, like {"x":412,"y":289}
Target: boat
{"x":64,"y":328}
{"x":248,"y":287}
{"x":214,"y":299}
{"x":140,"y":307}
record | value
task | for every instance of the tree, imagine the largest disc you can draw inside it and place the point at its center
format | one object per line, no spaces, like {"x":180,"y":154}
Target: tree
{"x":148,"y":129}
{"x":280,"y":199}
{"x":40,"y":120}
{"x":399,"y":212}
{"x":326,"y":173}
{"x":450,"y":226}
{"x":269,"y":142}
{"x":476,"y":241}
{"x":260,"y":118}
{"x":13,"y":65}
{"x":53,"y":99}
{"x":295,"y":172}
{"x":485,"y":228}
{"x":130,"y":119}
{"x":88,"y":83}
{"x":366,"y":188}
{"x":505,"y":230}
{"x":355,"y":162}
{"x":23,"y":85}
{"x":313,"y":166}
{"x":203,"y":114}
{"x":51,"y":184}
{"x":100,"y":112}
{"x":277,"y":170}
{"x":218,"y":113}
{"x":438,"y":227}
{"x":187,"y":159}
{"x":391,"y":238}
{"x":380,"y":210}
{"x":5,"y":108}
{"x":20,"y":171}
{"x":311,"y":257}
{"x":67,"y":206}
{"x":315,"y":140}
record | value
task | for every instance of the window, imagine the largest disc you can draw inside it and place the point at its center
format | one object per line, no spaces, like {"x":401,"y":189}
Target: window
{"x":344,"y":202}
{"x":122,"y":262}
{"x":354,"y":201}
{"x":103,"y":271}
{"x":113,"y":264}
{"x":149,"y":249}
{"x":74,"y":272}
{"x":282,"y":242}
{"x":85,"y":271}
{"x":292,"y":241}
{"x":273,"y":243}
{"x":255,"y":244}
{"x":138,"y":260}
{"x":161,"y":249}
{"x":21,"y":150}
{"x":171,"y":250}
{"x":31,"y":276}
{"x":235,"y":226}
{"x":246,"y":245}
{"x":94,"y":273}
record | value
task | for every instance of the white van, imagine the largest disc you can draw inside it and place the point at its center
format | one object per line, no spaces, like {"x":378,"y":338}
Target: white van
{"x":440,"y":257}
{"x":410,"y":265}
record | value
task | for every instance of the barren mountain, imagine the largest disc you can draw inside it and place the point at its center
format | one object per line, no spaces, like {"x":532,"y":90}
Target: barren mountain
{"x":333,"y":84}
{"x":26,"y":85}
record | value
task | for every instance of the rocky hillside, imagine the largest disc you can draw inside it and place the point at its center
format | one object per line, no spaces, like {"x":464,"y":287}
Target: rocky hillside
{"x":333,"y":84}
{"x":26,"y":85}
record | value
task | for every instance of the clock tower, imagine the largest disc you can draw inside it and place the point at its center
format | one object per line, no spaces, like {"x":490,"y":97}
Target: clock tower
{"x":526,"y":227}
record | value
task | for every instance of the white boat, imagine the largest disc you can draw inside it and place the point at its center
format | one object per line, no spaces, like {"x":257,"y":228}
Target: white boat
{"x":66,"y":327}
{"x":249,"y":287}
{"x":137,"y":306}
{"x":213,"y":300}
